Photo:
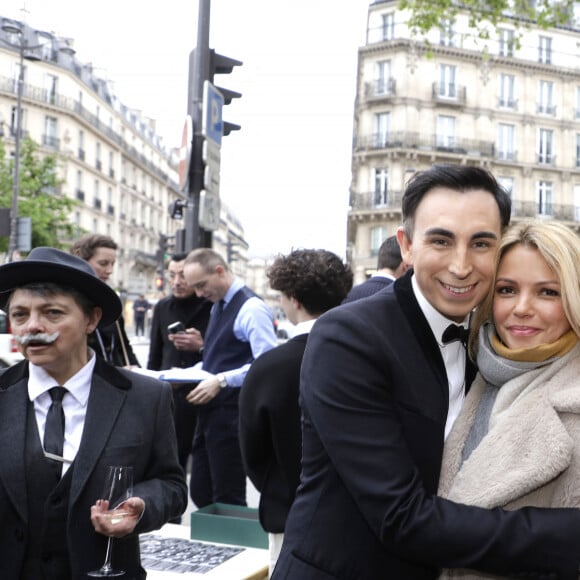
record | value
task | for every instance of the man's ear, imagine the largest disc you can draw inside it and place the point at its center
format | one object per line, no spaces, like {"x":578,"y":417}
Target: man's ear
{"x":94,"y":319}
{"x":406,"y":246}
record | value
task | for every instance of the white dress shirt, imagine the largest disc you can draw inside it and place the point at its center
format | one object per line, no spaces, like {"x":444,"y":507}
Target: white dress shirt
{"x":453,"y":353}
{"x":74,"y":404}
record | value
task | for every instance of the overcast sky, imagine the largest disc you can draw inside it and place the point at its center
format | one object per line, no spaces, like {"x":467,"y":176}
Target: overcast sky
{"x":286,"y":174}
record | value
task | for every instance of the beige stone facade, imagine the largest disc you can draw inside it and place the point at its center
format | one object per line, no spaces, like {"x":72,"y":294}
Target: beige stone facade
{"x":111,"y":160}
{"x":513,"y":107}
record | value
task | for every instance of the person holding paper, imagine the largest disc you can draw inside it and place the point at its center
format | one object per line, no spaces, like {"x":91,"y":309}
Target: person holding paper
{"x":240,"y":329}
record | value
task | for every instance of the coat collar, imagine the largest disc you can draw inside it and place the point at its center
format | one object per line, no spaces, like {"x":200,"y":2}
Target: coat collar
{"x":527,"y":445}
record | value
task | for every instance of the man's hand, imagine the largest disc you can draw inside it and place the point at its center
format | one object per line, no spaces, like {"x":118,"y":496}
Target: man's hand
{"x":118,"y":522}
{"x":190,"y":340}
{"x":207,"y":390}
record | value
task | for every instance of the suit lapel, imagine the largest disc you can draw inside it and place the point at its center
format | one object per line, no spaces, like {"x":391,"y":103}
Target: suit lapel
{"x":13,"y":413}
{"x":105,"y":403}
{"x":421,"y":329}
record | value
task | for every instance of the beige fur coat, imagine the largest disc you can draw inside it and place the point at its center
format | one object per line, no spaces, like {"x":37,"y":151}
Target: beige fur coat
{"x":531,"y":453}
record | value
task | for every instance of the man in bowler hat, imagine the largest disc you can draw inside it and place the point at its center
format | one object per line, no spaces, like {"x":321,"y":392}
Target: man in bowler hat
{"x":65,"y":416}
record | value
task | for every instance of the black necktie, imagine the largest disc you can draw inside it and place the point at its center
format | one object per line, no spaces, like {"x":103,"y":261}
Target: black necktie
{"x":54,"y":428}
{"x":454,"y":332}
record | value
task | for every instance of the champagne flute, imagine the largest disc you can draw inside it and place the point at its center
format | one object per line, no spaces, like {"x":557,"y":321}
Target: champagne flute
{"x":118,"y":488}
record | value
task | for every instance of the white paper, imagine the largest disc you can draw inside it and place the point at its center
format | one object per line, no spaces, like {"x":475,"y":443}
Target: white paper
{"x":192,"y":374}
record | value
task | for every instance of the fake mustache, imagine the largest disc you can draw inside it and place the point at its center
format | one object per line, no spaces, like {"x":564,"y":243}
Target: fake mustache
{"x":39,"y":338}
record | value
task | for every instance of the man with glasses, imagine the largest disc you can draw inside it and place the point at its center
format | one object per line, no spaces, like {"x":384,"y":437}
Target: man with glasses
{"x":240,"y":329}
{"x":179,"y":349}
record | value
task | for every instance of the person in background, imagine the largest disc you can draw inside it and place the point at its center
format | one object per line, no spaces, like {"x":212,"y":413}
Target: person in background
{"x":240,"y":329}
{"x":390,"y":266}
{"x":179,"y":349}
{"x":66,"y":415}
{"x":382,"y":381}
{"x":111,"y":342}
{"x":516,"y":441}
{"x":310,"y":282}
{"x":140,"y":308}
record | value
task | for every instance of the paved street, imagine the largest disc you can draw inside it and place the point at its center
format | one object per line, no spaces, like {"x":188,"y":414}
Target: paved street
{"x":141,"y":349}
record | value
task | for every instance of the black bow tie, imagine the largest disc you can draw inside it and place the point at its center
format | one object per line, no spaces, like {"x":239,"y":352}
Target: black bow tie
{"x":454,"y":332}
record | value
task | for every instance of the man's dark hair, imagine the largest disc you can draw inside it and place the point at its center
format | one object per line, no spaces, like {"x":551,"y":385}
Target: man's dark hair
{"x":318,"y":279}
{"x":389,"y":254}
{"x":178,"y":257}
{"x":460,"y":178}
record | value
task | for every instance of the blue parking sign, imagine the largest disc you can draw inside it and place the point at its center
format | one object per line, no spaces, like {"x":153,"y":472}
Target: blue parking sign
{"x":213,"y":103}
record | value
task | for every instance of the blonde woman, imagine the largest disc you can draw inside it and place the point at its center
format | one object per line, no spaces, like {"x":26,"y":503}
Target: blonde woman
{"x":516,"y":441}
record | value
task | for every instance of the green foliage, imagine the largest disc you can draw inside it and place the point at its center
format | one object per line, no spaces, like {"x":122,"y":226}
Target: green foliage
{"x":38,"y":196}
{"x":483,"y":14}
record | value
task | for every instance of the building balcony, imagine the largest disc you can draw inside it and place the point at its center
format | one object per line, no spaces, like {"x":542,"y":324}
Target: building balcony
{"x":558,"y":211}
{"x":426,"y":143}
{"x":380,"y":89}
{"x":543,"y":109}
{"x":503,"y":155}
{"x":51,"y":142}
{"x":546,"y":159}
{"x":511,"y":104}
{"x":376,"y":201}
{"x":449,"y":94}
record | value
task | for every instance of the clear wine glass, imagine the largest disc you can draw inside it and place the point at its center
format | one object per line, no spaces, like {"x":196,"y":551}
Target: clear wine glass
{"x":117,"y":489}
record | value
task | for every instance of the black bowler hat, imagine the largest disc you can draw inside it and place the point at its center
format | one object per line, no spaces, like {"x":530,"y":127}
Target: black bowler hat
{"x":52,"y":265}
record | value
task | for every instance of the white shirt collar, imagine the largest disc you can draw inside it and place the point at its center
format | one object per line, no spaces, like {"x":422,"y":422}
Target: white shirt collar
{"x":79,"y":385}
{"x":304,"y":327}
{"x":436,"y":320}
{"x":383,"y":275}
{"x":235,"y":286}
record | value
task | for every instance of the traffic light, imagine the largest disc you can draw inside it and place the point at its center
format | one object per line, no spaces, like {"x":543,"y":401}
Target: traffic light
{"x":166,"y":246}
{"x":224,"y":65}
{"x":203,"y":66}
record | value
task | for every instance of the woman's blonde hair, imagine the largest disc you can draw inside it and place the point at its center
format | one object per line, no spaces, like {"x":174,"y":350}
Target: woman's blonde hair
{"x":560,"y":247}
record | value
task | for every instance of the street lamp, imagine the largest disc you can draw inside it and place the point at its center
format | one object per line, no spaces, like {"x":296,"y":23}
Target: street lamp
{"x":16,"y":29}
{"x":13,"y":241}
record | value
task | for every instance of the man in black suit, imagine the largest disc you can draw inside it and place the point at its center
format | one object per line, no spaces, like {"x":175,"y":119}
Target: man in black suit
{"x":65,"y":416}
{"x":390,"y":266}
{"x":311,"y":282}
{"x":179,"y":349}
{"x":380,"y":388}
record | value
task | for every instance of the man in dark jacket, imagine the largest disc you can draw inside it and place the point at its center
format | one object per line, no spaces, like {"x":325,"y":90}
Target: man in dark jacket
{"x":311,"y":282}
{"x":179,"y":349}
{"x":390,"y":266}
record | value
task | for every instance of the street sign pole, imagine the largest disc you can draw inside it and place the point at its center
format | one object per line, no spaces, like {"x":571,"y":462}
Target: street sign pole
{"x":212,"y":130}
{"x":199,"y":66}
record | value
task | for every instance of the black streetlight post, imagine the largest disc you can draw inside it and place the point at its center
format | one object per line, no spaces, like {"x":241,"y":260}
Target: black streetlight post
{"x":13,"y":241}
{"x":17,"y":29}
